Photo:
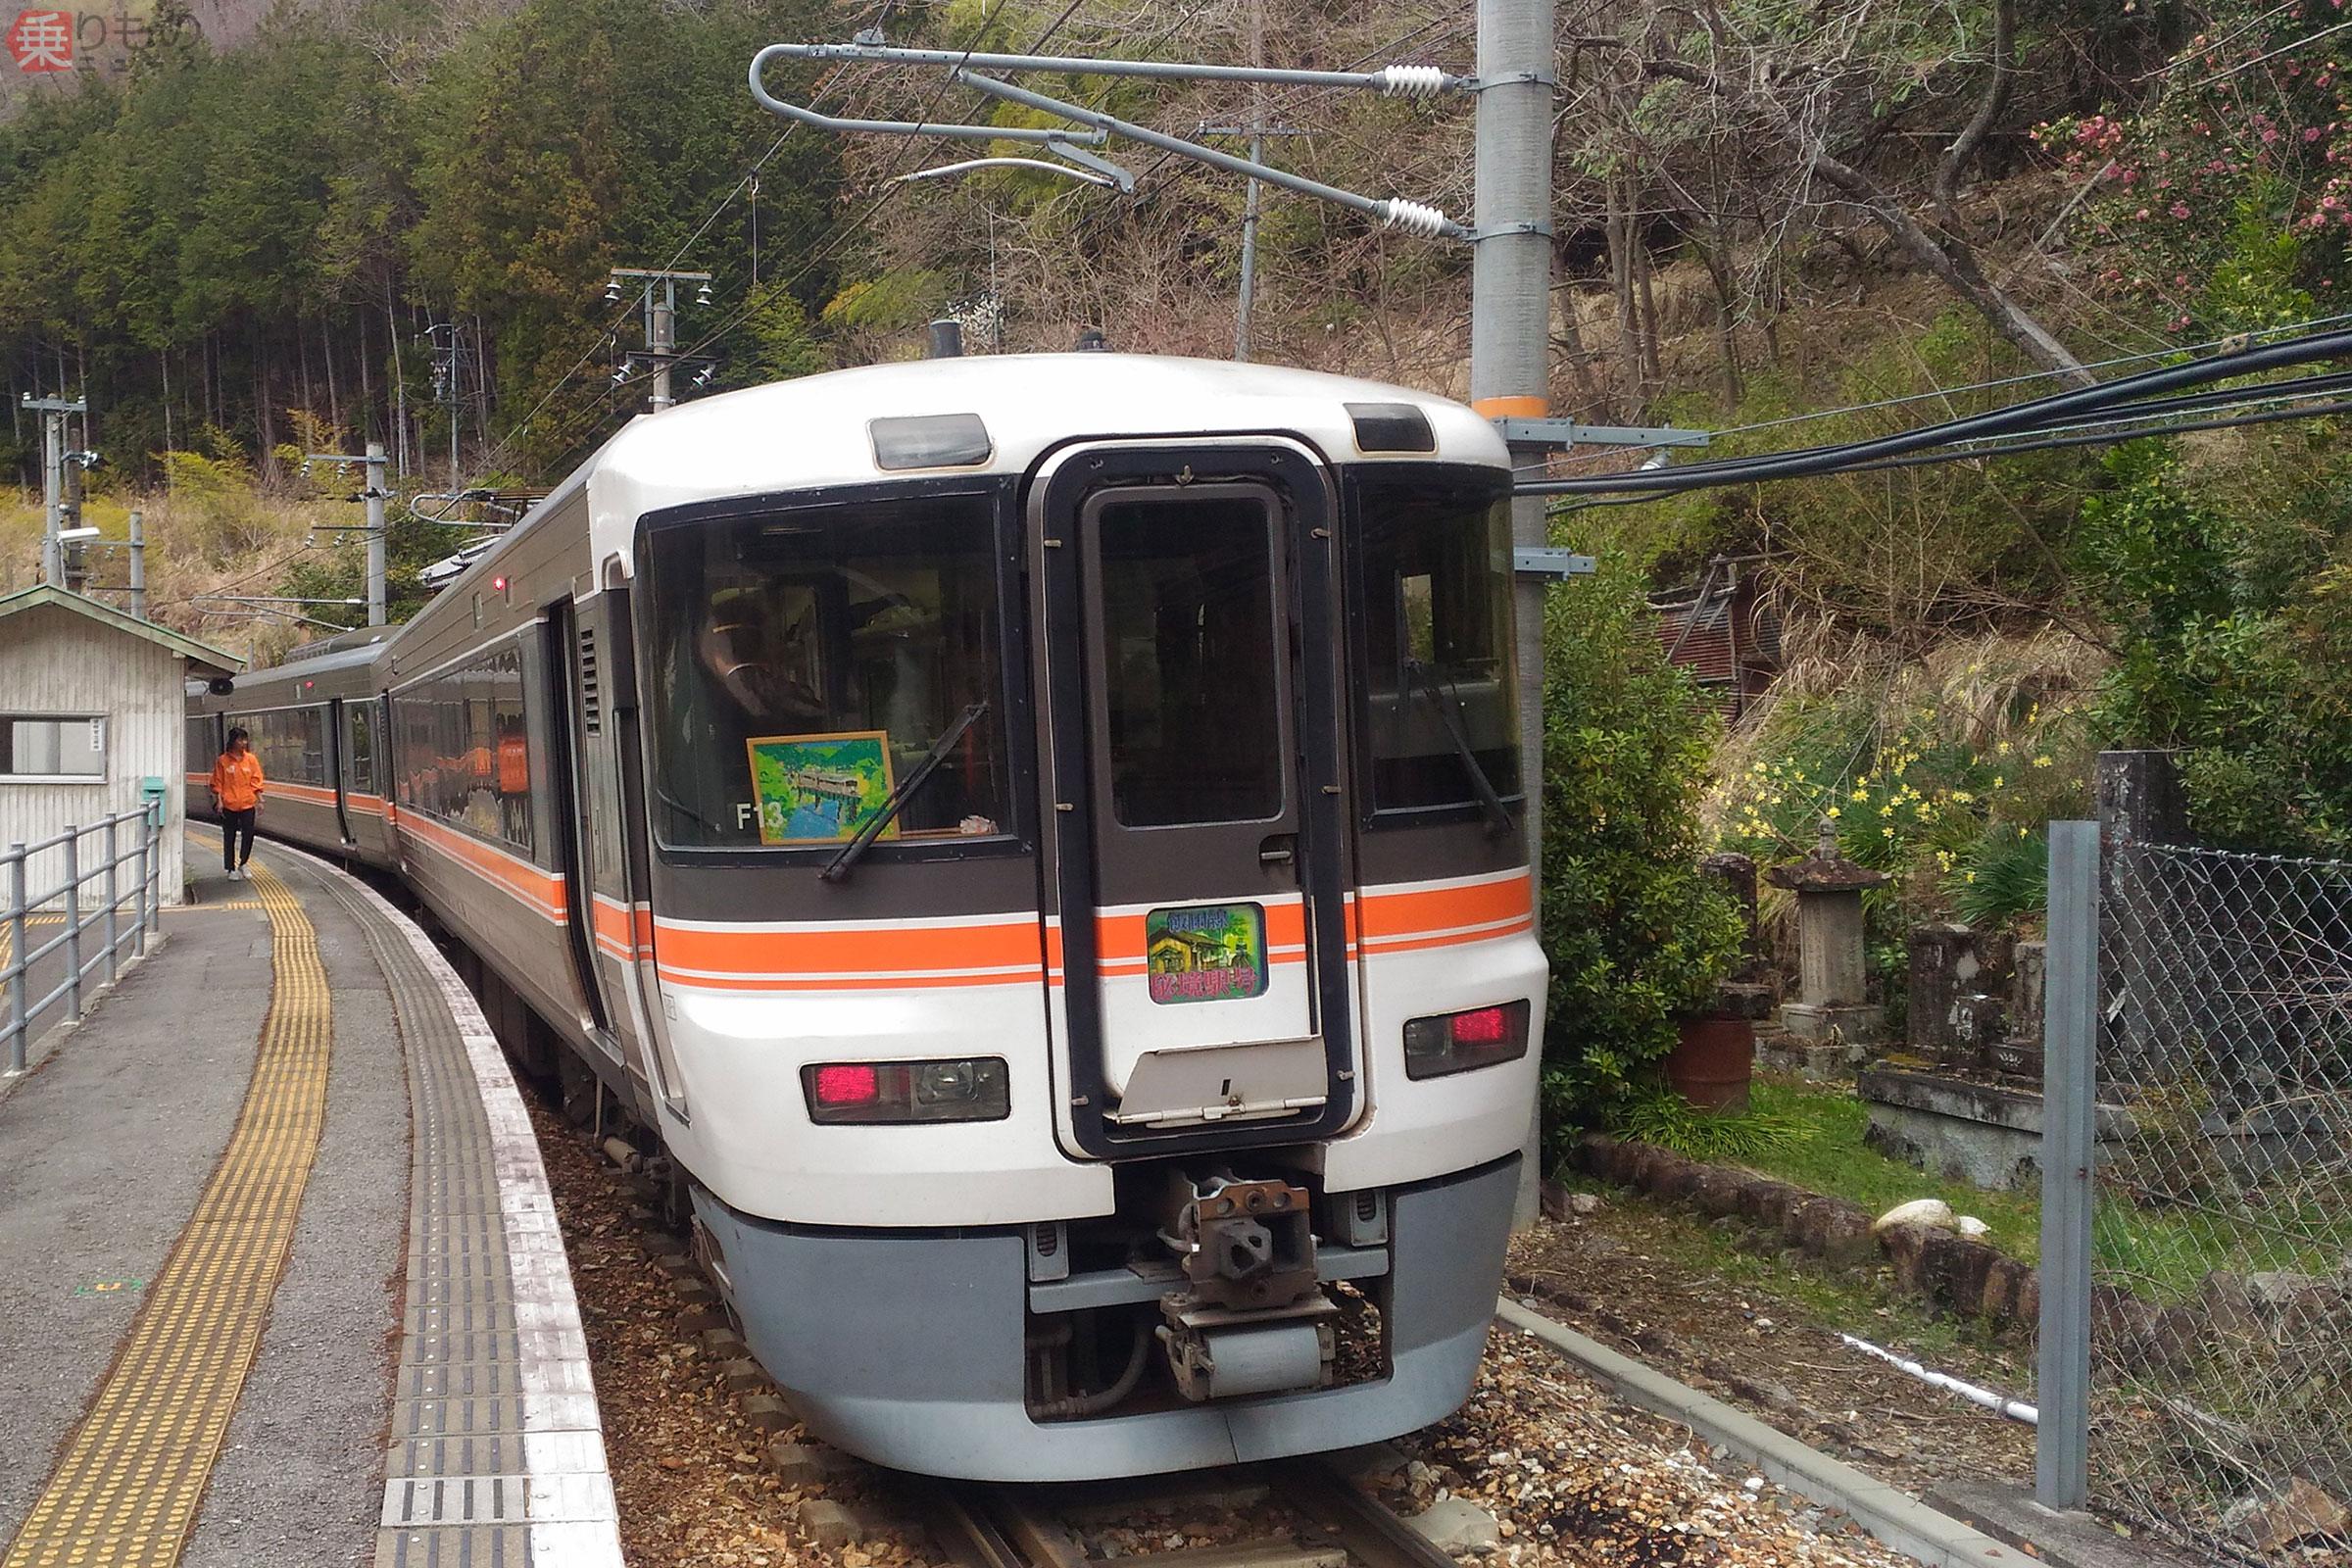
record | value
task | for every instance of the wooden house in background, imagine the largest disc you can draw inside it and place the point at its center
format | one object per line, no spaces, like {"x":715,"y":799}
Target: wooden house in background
{"x":1724,"y":630}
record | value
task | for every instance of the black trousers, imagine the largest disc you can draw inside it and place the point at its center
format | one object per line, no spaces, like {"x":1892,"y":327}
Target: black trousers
{"x":233,"y":823}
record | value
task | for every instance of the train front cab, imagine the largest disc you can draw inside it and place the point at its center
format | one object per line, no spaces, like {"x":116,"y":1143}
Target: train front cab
{"x":1152,"y":1091}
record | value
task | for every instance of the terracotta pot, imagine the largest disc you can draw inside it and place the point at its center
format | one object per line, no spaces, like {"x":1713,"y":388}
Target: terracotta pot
{"x":1714,"y":1064}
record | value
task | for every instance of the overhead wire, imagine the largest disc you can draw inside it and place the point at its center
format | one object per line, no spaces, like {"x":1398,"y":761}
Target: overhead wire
{"x":2133,"y":397}
{"x":2037,"y":375}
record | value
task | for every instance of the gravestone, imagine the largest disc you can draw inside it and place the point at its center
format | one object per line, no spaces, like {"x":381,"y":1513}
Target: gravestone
{"x":1832,"y":975}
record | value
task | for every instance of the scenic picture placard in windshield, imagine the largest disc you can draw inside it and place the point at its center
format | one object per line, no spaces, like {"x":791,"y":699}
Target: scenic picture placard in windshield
{"x":819,"y":789}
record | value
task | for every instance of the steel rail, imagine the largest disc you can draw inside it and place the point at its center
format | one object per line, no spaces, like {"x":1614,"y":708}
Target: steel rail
{"x":979,"y":1525}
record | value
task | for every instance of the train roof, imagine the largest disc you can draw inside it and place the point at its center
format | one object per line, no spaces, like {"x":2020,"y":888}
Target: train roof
{"x":815,"y":431}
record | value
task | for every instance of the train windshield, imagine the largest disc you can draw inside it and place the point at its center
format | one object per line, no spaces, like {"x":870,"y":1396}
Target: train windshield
{"x":1432,"y":586}
{"x":807,"y":662}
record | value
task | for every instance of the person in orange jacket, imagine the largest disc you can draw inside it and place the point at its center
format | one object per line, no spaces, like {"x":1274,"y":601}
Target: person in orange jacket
{"x":238,"y":786}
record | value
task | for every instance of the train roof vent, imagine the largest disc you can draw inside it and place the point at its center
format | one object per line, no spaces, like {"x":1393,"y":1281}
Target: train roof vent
{"x":1392,"y":428}
{"x":930,"y":441}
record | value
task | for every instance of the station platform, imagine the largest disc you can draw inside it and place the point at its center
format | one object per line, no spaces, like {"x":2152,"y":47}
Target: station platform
{"x":283,"y":1280}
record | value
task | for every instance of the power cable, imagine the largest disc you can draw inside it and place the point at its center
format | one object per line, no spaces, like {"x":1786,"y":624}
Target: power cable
{"x":2033,"y":376}
{"x":2114,"y":398}
{"x":2053,"y":444}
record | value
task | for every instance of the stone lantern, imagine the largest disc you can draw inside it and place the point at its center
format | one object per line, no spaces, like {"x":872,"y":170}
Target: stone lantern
{"x":1832,"y":979}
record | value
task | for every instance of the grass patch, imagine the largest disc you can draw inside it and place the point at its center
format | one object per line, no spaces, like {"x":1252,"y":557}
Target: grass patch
{"x":2160,"y":1251}
{"x":1831,"y":1156}
{"x":1859,"y":1301}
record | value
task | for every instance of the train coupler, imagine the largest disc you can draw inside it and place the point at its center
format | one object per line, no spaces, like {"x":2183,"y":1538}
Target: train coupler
{"x":1252,"y":1317}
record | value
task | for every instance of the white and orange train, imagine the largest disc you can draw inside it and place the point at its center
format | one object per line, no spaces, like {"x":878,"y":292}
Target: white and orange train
{"x":1035,"y":841}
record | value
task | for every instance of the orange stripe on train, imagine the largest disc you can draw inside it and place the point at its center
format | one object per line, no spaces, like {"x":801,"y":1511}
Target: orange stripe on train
{"x":539,"y":888}
{"x":1429,"y":911}
{"x":747,"y":956}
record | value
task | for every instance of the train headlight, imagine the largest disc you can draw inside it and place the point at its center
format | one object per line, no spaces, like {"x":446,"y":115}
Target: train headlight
{"x":1458,"y":1042}
{"x":883,"y":1093}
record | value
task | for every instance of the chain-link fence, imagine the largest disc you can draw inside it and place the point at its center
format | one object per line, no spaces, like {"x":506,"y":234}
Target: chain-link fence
{"x":2221,"y":1310}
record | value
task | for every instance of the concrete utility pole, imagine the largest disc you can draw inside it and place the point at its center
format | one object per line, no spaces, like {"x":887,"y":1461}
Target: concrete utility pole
{"x":448,"y":363}
{"x":376,"y":563}
{"x":53,"y":412}
{"x":660,"y":311}
{"x":378,"y":465}
{"x":1510,"y":359}
{"x":138,"y":566}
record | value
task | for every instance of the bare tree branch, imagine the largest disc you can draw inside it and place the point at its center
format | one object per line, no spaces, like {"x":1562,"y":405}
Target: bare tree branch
{"x":1948,"y":257}
{"x":1963,"y":150}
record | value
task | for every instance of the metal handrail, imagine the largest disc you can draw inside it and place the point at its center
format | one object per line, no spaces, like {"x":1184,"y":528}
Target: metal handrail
{"x":18,"y":904}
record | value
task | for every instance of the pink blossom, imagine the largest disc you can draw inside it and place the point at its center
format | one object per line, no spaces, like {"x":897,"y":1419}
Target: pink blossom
{"x":2179,"y":209}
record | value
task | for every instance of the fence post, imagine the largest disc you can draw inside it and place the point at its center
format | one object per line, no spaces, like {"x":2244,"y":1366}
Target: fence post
{"x":139,"y":908}
{"x":153,"y":827}
{"x":114,"y":903}
{"x":73,"y":923}
{"x":2070,"y":1093}
{"x":19,"y":1025}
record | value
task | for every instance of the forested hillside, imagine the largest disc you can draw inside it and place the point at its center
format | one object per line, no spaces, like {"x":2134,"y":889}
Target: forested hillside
{"x":1786,"y":224}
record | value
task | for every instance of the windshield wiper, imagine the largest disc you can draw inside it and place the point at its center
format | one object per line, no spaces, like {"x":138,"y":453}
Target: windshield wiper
{"x":1497,"y":814}
{"x":838,"y":870}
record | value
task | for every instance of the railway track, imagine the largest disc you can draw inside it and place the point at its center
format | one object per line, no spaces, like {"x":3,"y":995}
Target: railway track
{"x":1338,"y":1525}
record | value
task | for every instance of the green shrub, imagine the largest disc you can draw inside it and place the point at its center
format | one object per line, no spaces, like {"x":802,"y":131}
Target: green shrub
{"x":1665,"y":1118}
{"x":1636,"y":933}
{"x":2230,"y":612}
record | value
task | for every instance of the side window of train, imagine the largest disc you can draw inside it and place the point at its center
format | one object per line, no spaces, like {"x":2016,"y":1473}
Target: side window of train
{"x":291,"y":743}
{"x":463,"y":752}
{"x":801,"y":661}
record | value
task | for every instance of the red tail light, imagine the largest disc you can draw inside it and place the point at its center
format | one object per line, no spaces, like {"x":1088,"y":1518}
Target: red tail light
{"x":899,"y":1093}
{"x":846,"y":1083}
{"x":1458,"y":1042}
{"x":1488,"y":1026}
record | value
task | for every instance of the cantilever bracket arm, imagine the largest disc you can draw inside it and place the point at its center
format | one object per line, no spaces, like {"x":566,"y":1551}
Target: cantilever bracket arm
{"x":1412,"y":217}
{"x":969,"y":164}
{"x":1403,"y":82}
{"x":899,"y":127}
{"x":1415,"y":217}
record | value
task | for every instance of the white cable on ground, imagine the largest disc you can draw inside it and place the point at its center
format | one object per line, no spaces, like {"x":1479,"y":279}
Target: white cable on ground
{"x":2014,"y":1409}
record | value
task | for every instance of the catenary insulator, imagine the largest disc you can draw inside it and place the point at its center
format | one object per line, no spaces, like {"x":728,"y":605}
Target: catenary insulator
{"x":1414,"y":217}
{"x":1412,"y":81}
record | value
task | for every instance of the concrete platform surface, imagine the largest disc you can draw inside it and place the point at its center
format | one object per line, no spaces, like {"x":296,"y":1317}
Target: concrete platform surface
{"x":111,"y":1143}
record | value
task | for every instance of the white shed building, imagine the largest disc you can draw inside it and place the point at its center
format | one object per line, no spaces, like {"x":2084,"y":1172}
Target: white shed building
{"x":93,"y":705}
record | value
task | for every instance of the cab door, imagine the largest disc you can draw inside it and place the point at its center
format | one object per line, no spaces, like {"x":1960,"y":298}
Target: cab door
{"x":1190,"y":660}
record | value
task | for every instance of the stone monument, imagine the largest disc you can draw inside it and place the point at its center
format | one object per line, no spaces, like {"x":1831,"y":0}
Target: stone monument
{"x":1832,"y":985}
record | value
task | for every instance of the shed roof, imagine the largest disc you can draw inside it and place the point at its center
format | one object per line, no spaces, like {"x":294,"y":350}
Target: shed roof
{"x":202,"y":658}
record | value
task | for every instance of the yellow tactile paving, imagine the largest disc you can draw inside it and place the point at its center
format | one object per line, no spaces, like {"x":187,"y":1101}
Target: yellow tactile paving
{"x":129,"y":1485}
